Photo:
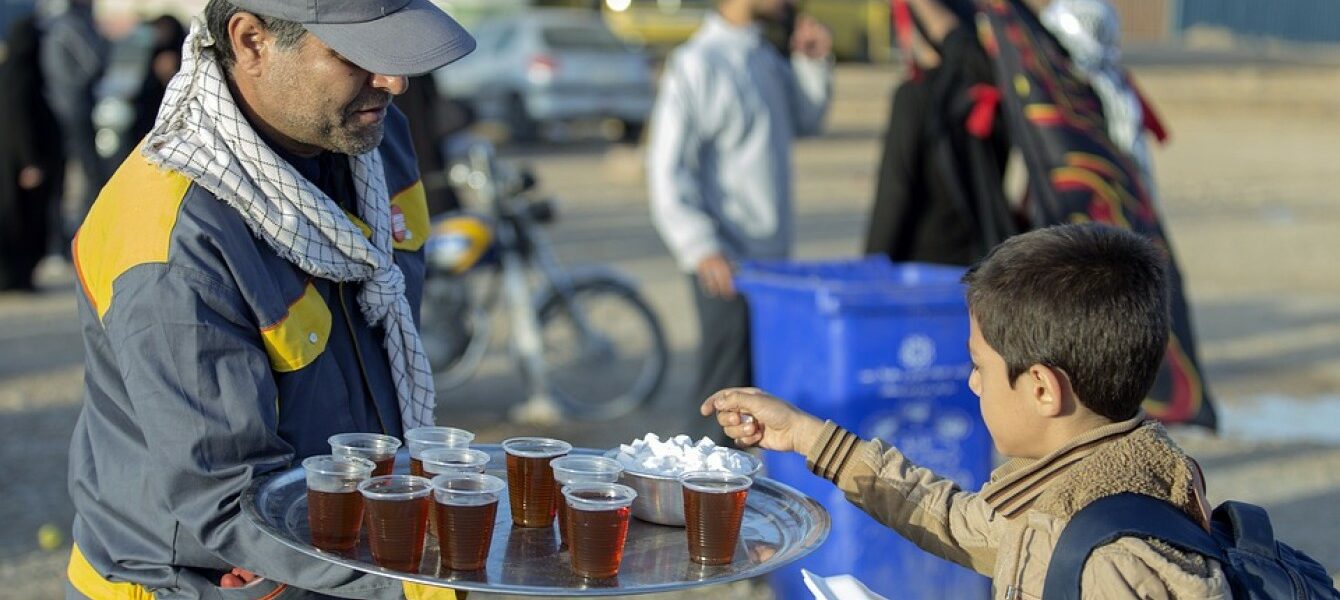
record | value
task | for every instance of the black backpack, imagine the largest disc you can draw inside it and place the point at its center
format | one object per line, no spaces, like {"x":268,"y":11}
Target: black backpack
{"x":1243,"y":541}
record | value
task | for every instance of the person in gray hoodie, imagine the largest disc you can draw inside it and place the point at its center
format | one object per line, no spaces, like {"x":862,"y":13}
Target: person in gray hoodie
{"x":719,"y":162}
{"x":73,"y":58}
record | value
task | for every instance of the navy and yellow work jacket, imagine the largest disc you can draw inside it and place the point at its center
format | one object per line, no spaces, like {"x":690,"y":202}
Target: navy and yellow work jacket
{"x":210,"y":360}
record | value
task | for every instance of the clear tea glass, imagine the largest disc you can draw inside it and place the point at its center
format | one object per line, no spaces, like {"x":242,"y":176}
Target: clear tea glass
{"x":597,"y":518}
{"x":397,"y":514}
{"x":334,"y":506}
{"x":420,"y":439}
{"x":581,"y":469}
{"x":466,"y":505}
{"x":713,"y":510}
{"x":375,"y":447}
{"x":530,"y":480}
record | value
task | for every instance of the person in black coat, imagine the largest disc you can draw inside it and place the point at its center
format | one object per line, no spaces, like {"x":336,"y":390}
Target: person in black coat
{"x":31,"y":159}
{"x":940,"y":196}
{"x":164,"y":61}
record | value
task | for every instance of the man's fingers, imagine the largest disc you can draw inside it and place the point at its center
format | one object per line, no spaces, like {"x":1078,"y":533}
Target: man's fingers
{"x":230,"y":581}
{"x":727,"y":286}
{"x":722,"y":283}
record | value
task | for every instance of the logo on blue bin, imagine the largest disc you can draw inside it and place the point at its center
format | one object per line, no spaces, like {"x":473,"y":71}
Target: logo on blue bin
{"x":916,"y":352}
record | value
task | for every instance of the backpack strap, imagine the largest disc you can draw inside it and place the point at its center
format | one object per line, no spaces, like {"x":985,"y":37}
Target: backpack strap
{"x":1250,"y":526}
{"x":1108,"y":519}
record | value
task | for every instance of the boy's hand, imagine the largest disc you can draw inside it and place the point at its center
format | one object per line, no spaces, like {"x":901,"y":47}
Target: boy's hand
{"x":751,"y":417}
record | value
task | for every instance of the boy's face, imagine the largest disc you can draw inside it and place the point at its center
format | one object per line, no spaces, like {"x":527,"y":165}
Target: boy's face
{"x":1008,"y":412}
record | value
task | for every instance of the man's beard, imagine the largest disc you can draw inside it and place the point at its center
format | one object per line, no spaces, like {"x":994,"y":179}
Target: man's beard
{"x":354,"y":139}
{"x":340,"y":134}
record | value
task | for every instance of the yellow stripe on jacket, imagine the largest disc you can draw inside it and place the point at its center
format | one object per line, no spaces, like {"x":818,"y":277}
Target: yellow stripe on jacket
{"x":411,"y":205}
{"x":130,"y":224}
{"x":88,"y":582}
{"x":300,"y":336}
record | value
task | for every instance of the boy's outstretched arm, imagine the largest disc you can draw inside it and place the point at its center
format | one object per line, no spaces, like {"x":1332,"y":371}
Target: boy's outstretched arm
{"x":930,"y":511}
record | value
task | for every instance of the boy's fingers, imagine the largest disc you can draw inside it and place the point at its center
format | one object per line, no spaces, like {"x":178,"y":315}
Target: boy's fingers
{"x":727,"y":419}
{"x":708,"y":406}
{"x":746,"y":442}
{"x":716,"y":402}
{"x":739,"y":432}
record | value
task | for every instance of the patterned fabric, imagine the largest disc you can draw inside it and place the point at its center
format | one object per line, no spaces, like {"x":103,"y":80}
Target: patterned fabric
{"x":202,"y":134}
{"x":1090,"y":30}
{"x":1077,"y":174}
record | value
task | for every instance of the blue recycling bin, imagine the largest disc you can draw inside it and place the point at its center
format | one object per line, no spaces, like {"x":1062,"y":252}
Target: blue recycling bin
{"x":881,"y":349}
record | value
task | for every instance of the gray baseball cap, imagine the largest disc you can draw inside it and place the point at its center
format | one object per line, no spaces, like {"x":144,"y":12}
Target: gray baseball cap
{"x":387,"y":37}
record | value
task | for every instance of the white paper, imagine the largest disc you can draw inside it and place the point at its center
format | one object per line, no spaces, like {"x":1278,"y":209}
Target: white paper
{"x":838,"y":587}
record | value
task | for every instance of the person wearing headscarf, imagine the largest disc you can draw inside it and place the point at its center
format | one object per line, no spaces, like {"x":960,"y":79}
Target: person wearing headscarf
{"x":31,"y":158}
{"x":164,"y":61}
{"x":1090,"y":32}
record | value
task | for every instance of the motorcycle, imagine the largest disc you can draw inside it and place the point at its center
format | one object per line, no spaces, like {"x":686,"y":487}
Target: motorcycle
{"x":586,"y":343}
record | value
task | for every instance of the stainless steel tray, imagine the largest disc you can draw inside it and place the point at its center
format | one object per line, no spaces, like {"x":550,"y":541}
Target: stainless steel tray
{"x":780,"y":526}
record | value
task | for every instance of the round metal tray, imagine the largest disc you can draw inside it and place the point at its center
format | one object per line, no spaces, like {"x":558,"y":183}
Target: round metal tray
{"x":780,"y":526}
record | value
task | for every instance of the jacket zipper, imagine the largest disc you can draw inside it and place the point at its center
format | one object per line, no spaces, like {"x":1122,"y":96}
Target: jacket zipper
{"x":358,"y":353}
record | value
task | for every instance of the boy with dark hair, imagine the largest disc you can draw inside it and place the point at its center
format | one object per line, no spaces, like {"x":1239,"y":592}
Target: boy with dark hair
{"x":1069,"y":325}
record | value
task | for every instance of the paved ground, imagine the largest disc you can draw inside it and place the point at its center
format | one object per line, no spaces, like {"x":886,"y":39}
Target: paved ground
{"x":1249,"y":195}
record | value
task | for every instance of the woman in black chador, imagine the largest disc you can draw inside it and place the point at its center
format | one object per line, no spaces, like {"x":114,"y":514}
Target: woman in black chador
{"x":31,"y":159}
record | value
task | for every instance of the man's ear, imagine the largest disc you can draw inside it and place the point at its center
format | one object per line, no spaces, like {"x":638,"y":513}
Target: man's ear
{"x":251,"y":42}
{"x":1049,"y":390}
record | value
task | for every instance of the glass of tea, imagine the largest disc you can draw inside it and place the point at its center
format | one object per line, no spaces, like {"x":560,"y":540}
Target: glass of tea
{"x":420,"y":439}
{"x":466,"y":505}
{"x":443,"y":461}
{"x":334,"y":506}
{"x":597,"y":526}
{"x":375,"y":447}
{"x":530,"y":481}
{"x":581,"y":469}
{"x":713,"y":510}
{"x":397,"y":514}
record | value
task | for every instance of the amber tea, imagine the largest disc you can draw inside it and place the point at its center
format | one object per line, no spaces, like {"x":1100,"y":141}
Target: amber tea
{"x":713,"y":511}
{"x":466,"y":505}
{"x":530,"y":481}
{"x":334,"y":506}
{"x":397,"y":515}
{"x":597,"y":517}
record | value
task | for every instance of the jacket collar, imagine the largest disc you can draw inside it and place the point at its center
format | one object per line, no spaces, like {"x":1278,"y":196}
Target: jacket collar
{"x":1016,"y":484}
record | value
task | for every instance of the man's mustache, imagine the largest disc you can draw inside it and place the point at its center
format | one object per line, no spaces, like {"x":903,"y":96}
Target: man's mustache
{"x":368,"y":102}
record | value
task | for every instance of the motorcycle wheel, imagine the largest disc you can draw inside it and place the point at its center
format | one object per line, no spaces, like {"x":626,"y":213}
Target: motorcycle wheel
{"x":613,"y":367}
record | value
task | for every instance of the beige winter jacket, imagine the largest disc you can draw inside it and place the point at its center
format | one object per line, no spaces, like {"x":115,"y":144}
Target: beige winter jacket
{"x":1009,"y":529}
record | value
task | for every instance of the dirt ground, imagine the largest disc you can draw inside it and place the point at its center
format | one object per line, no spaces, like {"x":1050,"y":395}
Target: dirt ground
{"x":1248,"y":189}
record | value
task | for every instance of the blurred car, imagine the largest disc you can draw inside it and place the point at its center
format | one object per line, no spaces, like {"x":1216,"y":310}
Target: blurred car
{"x":116,"y":92}
{"x":861,"y":28}
{"x":659,"y":24}
{"x":552,"y":65}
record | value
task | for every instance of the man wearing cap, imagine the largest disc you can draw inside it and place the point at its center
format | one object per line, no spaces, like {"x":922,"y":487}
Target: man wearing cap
{"x":249,"y":285}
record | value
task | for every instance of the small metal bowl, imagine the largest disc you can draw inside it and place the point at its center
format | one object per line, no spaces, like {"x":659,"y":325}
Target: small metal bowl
{"x":660,"y":498}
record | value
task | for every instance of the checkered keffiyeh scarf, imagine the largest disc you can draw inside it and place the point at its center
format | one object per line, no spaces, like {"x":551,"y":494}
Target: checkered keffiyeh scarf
{"x":202,"y":134}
